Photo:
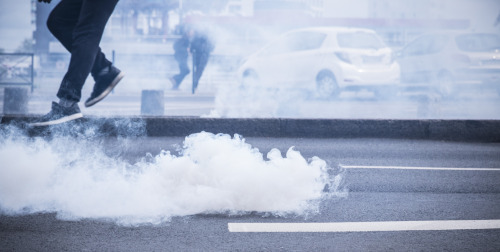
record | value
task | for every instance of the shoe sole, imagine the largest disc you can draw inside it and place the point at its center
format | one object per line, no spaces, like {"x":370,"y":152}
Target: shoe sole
{"x":58,"y":121}
{"x":113,"y":84}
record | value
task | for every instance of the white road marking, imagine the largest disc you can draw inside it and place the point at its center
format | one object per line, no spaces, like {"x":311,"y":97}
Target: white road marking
{"x":365,"y":226}
{"x":416,"y":168}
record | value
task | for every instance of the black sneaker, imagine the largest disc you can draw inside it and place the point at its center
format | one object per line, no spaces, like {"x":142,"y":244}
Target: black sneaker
{"x":58,"y":114}
{"x":104,"y":84}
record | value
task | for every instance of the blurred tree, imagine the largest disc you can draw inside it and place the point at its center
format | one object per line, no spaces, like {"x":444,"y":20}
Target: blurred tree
{"x":144,"y":5}
{"x":203,"y":5}
{"x":26,"y":46}
{"x":131,"y":10}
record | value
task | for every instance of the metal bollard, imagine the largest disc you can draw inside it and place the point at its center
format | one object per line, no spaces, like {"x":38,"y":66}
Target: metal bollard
{"x":15,"y":100}
{"x":152,"y":102}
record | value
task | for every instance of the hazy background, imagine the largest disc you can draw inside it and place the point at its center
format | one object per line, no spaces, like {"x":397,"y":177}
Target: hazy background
{"x":94,"y":177}
{"x":17,"y":20}
{"x":140,"y":36}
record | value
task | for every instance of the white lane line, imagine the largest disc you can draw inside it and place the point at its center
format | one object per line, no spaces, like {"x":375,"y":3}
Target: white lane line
{"x":416,"y":168}
{"x":365,"y":226}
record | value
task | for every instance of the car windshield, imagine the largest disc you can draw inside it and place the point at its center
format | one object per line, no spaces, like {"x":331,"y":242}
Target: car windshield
{"x":297,"y":41}
{"x":480,"y":42}
{"x":363,"y":40}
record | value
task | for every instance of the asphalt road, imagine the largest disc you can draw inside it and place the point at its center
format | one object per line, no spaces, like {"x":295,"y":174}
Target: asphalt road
{"x":373,"y":193}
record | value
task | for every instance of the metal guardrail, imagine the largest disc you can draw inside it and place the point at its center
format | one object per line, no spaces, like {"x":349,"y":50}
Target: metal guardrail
{"x":17,"y":69}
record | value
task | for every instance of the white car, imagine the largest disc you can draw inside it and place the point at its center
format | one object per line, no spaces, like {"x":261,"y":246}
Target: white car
{"x":326,"y":60}
{"x":448,"y":62}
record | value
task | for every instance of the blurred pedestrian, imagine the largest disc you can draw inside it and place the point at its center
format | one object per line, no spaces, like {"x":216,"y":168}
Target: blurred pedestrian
{"x":181,"y":54}
{"x":201,"y":47}
{"x":79,"y":25}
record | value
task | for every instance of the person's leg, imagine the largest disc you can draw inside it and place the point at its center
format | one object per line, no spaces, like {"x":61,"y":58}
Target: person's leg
{"x":85,"y":21}
{"x":183,"y":70}
{"x":201,"y":60}
{"x":86,"y":36}
{"x":61,"y":23}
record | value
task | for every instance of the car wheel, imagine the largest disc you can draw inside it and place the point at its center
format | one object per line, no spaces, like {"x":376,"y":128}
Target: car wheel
{"x":326,"y":85}
{"x":445,"y":84}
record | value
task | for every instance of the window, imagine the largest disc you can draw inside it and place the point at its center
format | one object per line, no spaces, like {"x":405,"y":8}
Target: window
{"x":480,"y":42}
{"x":304,"y":41}
{"x":437,"y":43}
{"x":297,"y":41}
{"x":417,"y":47}
{"x":428,"y":44}
{"x":363,"y":40}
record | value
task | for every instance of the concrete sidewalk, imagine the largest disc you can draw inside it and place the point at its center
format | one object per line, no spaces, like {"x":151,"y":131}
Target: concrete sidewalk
{"x":156,"y":126}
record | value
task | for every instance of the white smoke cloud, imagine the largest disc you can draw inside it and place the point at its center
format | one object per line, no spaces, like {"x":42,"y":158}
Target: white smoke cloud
{"x":211,"y":174}
{"x":234,"y":101}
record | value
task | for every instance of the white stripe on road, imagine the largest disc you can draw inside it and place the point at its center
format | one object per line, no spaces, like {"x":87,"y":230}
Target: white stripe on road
{"x":365,"y":226}
{"x":417,"y":168}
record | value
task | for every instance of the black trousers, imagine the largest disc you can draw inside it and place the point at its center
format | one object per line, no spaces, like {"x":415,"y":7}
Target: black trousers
{"x":182,"y":60}
{"x":79,"y":25}
{"x":200,"y":62}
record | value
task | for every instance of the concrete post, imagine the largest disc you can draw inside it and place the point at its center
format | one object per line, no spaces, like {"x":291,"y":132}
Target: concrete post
{"x":15,"y":100}
{"x":152,"y":102}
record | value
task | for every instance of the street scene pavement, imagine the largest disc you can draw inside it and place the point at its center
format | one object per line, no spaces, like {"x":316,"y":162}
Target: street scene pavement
{"x":377,"y":183}
{"x":252,"y":125}
{"x":228,"y":101}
